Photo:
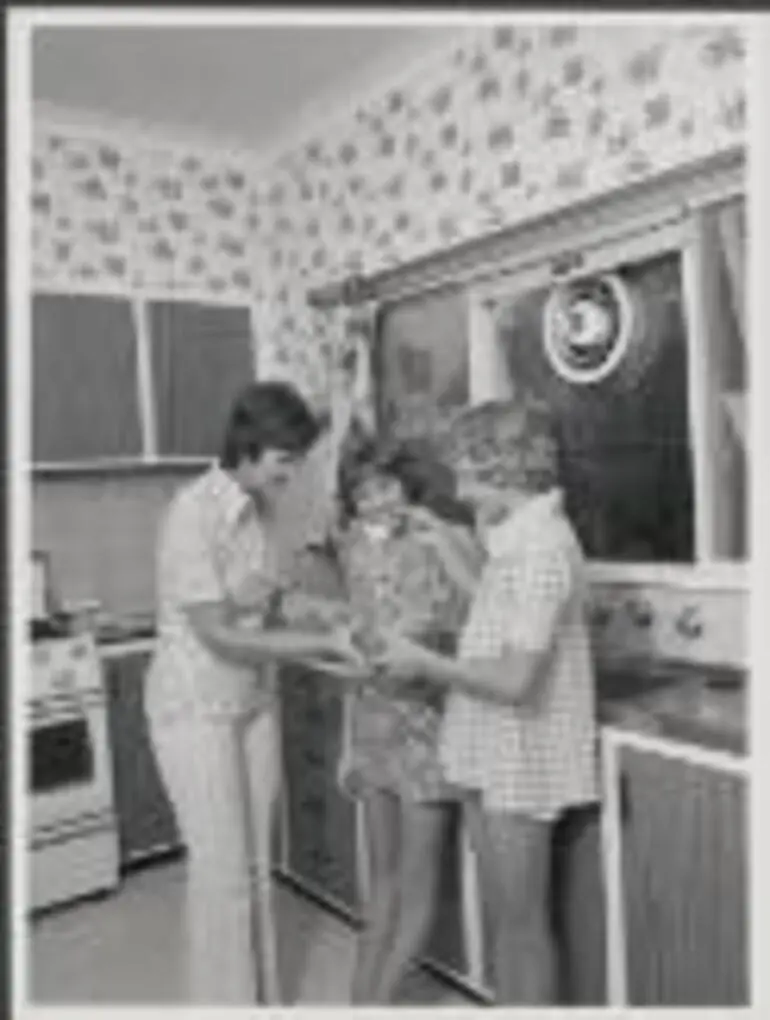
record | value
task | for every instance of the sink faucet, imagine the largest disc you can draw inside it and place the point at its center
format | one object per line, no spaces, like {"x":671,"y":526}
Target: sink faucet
{"x":689,"y":623}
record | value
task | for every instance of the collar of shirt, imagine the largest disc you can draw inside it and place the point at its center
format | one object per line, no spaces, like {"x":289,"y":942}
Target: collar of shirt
{"x":231,"y":501}
{"x":504,"y":537}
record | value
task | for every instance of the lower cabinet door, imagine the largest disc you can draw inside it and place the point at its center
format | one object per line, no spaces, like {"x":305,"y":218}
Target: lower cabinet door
{"x":146,"y":821}
{"x":321,"y":820}
{"x":578,"y":908}
{"x":686,"y":882}
{"x":446,"y":942}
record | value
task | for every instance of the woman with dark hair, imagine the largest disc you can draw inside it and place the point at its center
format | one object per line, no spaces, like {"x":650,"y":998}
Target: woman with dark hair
{"x":409,"y":560}
{"x":210,"y":695}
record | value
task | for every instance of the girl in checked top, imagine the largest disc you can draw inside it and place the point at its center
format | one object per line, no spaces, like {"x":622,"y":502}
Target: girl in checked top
{"x":519,"y":728}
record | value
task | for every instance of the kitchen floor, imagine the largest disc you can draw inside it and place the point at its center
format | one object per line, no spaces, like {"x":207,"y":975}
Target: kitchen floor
{"x":125,"y":950}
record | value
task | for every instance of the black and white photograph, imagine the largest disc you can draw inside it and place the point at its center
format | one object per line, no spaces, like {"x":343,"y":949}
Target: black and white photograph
{"x":384,"y":521}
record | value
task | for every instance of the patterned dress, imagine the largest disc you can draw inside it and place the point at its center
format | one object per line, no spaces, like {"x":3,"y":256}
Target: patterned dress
{"x":391,"y":743}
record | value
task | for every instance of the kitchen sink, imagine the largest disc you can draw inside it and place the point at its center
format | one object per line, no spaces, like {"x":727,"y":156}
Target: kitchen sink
{"x":705,"y":705}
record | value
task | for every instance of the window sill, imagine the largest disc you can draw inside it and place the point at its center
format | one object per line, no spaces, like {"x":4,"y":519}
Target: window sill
{"x":725,"y":576}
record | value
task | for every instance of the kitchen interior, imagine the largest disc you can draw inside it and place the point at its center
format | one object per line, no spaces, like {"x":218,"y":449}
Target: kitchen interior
{"x":211,"y":205}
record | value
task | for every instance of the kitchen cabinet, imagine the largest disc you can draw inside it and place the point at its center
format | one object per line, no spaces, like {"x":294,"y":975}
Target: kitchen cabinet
{"x":85,"y":398}
{"x":146,"y":822}
{"x":685,"y":881}
{"x":321,"y":821}
{"x":446,"y":944}
{"x":201,"y":355}
{"x":578,"y":908}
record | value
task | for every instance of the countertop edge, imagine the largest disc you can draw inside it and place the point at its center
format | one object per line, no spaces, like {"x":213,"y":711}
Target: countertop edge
{"x":671,"y":747}
{"x":131,"y":646}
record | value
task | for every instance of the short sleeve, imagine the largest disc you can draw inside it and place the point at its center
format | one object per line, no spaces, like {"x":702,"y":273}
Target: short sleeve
{"x":534,"y":588}
{"x":187,"y":568}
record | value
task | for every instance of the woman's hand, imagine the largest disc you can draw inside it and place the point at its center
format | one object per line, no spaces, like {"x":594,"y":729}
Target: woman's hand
{"x":401,"y":658}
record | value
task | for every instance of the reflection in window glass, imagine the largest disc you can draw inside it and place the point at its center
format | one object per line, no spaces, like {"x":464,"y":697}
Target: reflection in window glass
{"x":626,"y":464}
{"x":423,"y":359}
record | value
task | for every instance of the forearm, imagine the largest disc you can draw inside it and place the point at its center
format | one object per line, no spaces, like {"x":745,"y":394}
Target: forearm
{"x":461,"y":569}
{"x":257,"y":647}
{"x":507,"y":680}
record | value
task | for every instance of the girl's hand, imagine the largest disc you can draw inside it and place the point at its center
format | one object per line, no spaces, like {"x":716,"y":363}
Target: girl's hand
{"x":339,"y":646}
{"x":401,"y":658}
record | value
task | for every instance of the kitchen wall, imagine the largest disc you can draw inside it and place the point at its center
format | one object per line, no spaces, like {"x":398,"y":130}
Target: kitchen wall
{"x":100,"y":533}
{"x":508,"y":124}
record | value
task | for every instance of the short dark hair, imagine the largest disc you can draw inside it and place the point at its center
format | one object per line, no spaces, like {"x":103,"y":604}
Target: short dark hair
{"x":264,"y":416}
{"x":426,"y":480}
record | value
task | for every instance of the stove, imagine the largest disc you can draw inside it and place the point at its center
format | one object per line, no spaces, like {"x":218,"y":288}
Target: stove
{"x":72,"y":835}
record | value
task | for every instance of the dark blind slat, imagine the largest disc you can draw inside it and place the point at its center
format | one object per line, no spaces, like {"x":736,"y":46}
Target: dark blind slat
{"x":201,"y":355}
{"x":84,"y":389}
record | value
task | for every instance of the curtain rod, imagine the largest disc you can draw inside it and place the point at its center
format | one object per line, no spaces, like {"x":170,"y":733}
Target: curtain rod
{"x":691,"y":181}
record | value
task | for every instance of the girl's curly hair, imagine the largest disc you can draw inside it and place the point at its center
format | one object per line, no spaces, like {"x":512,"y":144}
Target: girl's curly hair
{"x":425,"y":478}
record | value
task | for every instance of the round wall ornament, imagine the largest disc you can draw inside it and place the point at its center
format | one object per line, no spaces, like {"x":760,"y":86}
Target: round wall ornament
{"x":590,"y":327}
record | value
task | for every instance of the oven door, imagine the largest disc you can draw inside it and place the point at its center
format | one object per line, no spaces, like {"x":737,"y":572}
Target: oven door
{"x":69,"y":773}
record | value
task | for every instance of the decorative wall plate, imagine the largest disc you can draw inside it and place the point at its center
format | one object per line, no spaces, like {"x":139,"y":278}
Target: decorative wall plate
{"x":590,"y":326}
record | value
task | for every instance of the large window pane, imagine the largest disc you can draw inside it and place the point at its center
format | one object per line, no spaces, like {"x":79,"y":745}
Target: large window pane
{"x":625,"y":448}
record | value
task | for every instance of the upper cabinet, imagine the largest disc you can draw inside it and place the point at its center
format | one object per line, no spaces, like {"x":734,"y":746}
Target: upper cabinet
{"x":200,"y":356}
{"x":129,"y":381}
{"x":85,"y":400}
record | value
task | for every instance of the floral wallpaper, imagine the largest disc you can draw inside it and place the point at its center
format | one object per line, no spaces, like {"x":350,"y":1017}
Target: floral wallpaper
{"x":106,"y":215}
{"x":508,"y":124}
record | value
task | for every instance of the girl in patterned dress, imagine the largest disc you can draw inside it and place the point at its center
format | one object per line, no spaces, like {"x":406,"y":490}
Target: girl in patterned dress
{"x":409,"y":563}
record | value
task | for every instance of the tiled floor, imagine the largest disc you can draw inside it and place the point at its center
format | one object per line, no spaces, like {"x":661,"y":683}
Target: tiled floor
{"x":125,"y":950}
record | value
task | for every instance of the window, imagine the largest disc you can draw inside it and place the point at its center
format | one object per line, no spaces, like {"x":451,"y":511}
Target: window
{"x":625,"y":449}
{"x":654,"y":459}
{"x":654,"y":466}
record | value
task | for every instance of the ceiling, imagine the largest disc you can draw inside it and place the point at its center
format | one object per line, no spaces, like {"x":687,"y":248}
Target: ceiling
{"x":244,"y":86}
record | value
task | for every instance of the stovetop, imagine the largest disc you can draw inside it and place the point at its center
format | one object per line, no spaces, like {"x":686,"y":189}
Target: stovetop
{"x":63,"y":667}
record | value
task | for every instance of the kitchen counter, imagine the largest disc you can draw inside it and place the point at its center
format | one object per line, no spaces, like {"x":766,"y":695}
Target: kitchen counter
{"x":700,"y":706}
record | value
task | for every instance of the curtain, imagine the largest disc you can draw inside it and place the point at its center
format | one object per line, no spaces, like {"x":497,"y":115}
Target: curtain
{"x":731,"y":228}
{"x":310,"y":506}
